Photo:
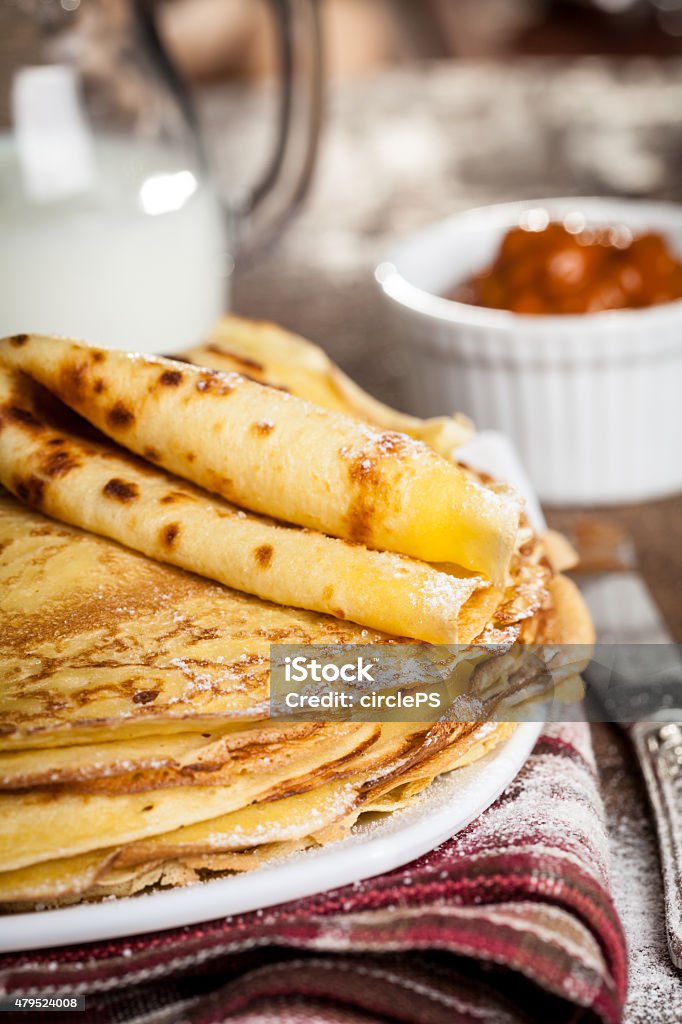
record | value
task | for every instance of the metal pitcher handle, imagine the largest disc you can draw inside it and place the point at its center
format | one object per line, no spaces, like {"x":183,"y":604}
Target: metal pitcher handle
{"x":268,"y":205}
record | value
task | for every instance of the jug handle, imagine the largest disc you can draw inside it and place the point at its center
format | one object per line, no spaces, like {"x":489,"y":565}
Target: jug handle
{"x":288,"y":172}
{"x":301,"y":105}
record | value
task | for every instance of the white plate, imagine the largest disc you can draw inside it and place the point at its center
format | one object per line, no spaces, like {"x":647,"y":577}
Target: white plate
{"x":449,"y":803}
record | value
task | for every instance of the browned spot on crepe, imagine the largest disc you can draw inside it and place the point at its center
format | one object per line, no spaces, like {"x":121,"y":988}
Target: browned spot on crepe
{"x":120,"y":415}
{"x":30,"y":489}
{"x":169,"y":534}
{"x":72,"y":380}
{"x":18,"y":340}
{"x":263,"y":427}
{"x":369,"y":485}
{"x":121,"y":490}
{"x":59,"y":463}
{"x":16,"y":414}
{"x":170,"y":378}
{"x":365,"y":475}
{"x":145,"y":696}
{"x":263,"y":555}
{"x":173,"y":496}
{"x":212,"y":382}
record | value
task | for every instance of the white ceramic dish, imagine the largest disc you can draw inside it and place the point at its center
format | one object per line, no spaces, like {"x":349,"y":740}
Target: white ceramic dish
{"x":450,"y":803}
{"x":591,"y":401}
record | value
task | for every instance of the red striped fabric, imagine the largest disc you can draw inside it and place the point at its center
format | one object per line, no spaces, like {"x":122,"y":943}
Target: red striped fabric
{"x":510,"y":921}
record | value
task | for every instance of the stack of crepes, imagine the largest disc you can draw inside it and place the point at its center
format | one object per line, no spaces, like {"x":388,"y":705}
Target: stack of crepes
{"x":164,"y":522}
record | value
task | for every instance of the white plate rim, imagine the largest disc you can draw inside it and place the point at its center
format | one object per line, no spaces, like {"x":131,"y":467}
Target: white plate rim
{"x":388,"y":846}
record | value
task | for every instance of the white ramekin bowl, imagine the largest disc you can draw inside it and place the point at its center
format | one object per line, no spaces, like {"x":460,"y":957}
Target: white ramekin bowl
{"x":592,"y":401}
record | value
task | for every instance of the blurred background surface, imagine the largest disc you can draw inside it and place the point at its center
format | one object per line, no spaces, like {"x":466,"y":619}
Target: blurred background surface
{"x":433,"y":107}
{"x":219,"y":38}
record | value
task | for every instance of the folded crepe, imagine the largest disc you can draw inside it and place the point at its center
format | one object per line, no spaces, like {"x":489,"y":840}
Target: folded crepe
{"x":279,"y":455}
{"x":135,"y":747}
{"x":241,"y":840}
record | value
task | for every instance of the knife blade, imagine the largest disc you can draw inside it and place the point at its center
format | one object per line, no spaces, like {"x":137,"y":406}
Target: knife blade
{"x":649,"y":686}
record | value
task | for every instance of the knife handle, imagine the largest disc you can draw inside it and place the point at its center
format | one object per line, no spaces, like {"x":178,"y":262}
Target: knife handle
{"x":659,"y":749}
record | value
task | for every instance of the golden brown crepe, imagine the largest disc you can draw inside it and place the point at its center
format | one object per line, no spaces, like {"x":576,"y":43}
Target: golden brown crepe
{"x":279,"y":455}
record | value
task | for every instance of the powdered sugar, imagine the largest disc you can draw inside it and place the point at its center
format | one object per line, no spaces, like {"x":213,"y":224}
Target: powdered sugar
{"x":655,"y":990}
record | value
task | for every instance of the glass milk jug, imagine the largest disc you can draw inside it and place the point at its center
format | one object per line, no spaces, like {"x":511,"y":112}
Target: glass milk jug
{"x":111,"y":227}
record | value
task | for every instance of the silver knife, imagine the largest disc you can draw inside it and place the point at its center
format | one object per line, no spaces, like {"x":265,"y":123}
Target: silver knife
{"x":624,"y":613}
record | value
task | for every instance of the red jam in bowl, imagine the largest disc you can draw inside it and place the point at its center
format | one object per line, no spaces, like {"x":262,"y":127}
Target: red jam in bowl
{"x":559,"y":270}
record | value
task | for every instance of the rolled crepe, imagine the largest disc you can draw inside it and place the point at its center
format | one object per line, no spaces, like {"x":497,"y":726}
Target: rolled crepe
{"x":269,"y":354}
{"x":108,"y":492}
{"x":273,"y":453}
